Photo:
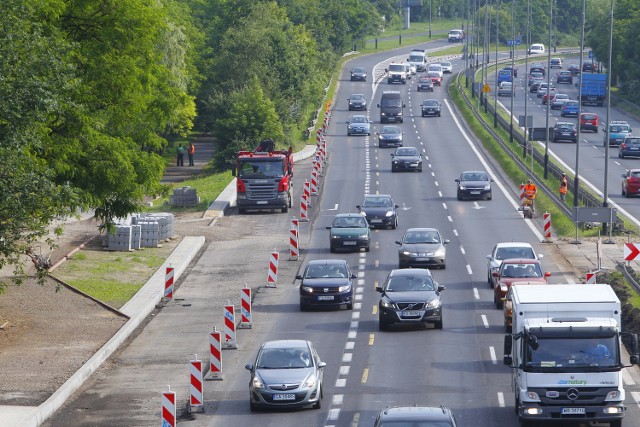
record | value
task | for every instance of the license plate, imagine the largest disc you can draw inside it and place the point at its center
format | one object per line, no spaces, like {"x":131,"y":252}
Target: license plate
{"x":288,"y":396}
{"x":567,"y":411}
{"x":422,"y":259}
{"x":375,"y":221}
{"x":325,"y":297}
{"x":349,"y":243}
{"x":411,"y":313}
{"x":474,"y":192}
{"x":633,"y":148}
{"x":261,"y":202}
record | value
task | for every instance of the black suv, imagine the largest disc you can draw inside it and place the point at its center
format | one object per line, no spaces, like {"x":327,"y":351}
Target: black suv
{"x":565,"y":131}
{"x":412,"y":296}
{"x":440,"y":416}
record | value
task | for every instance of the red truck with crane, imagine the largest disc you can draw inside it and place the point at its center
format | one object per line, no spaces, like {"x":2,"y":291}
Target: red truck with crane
{"x":264,"y":178}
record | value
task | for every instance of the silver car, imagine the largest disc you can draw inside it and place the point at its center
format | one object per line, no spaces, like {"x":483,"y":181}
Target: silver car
{"x":286,"y":374}
{"x":507,"y":250}
{"x":422,"y":247}
{"x":358,"y":125}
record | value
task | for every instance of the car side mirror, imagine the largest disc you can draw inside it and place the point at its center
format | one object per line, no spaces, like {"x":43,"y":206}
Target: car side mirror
{"x":624,"y":175}
{"x":386,"y":70}
{"x":321,"y":364}
{"x":298,"y":277}
{"x":392,"y":155}
{"x":378,"y":288}
{"x":495,"y":274}
{"x":445,"y":241}
{"x":441,"y":288}
{"x":547,"y":274}
{"x":488,"y":257}
{"x":540,"y":256}
{"x":403,"y":106}
{"x":378,"y":105}
{"x":248,"y":367}
{"x":396,"y":206}
{"x":398,"y":242}
{"x":457,"y":180}
{"x":328,"y":228}
{"x":353,"y":276}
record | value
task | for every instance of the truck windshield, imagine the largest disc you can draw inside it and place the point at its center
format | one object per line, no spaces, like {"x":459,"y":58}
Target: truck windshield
{"x":416,"y":58}
{"x":391,"y":102}
{"x":570,"y":352}
{"x":396,"y":67}
{"x":255,"y":168}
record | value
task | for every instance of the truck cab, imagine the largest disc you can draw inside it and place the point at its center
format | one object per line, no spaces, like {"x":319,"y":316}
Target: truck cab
{"x":418,"y":59}
{"x":264,"y":178}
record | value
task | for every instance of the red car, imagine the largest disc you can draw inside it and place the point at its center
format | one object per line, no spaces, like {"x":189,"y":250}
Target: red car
{"x":589,"y":121}
{"x":517,"y":270}
{"x":435,"y":77}
{"x":631,"y":182}
{"x":548,"y":97}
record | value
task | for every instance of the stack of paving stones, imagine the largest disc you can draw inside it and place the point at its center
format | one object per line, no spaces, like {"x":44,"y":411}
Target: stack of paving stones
{"x":184,"y":197}
{"x":143,"y":231}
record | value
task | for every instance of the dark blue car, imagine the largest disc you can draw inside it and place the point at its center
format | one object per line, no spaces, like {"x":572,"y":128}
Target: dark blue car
{"x":326,"y":282}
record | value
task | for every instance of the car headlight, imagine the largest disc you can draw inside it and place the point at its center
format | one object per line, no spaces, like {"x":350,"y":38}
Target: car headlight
{"x":335,"y":236}
{"x":364,"y":236}
{"x":382,"y":137}
{"x":310,"y":382}
{"x":257,"y":382}
{"x":344,"y":288}
{"x":383,"y":114}
{"x":307,"y":289}
{"x":409,"y":253}
{"x":503,"y":288}
{"x":441,"y":252}
{"x":386,"y":304}
{"x":433,"y":303}
{"x":613,"y":395}
{"x":389,"y":213}
{"x":463,"y":187}
{"x":487,"y":187}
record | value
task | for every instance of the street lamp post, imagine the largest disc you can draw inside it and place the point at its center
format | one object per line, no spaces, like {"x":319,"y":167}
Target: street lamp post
{"x":546,"y":144}
{"x":576,"y":178}
{"x":430,"y":8}
{"x":605,"y":202}
{"x":513,"y":67}
{"x":526,"y":66}
{"x":495,"y":95}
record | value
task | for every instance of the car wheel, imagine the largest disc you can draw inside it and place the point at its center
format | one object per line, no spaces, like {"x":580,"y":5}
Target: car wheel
{"x":366,"y":249}
{"x":420,"y":169}
{"x":459,"y":195}
{"x":318,"y":404}
{"x":616,"y":423}
{"x":242,"y":210}
{"x":438,"y":324}
{"x":620,"y":155}
{"x":624,"y":193}
{"x":393,"y":169}
{"x":382,"y":325}
{"x":332,"y":249}
{"x":490,"y":196}
{"x":443,"y":266}
{"x":285,"y":209}
{"x":438,"y":114}
{"x":253,"y":407}
{"x":303,"y":307}
{"x":596,"y":130}
{"x":395,"y":224}
{"x":423,"y":114}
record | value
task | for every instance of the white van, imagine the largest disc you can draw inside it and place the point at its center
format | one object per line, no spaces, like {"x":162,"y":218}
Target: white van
{"x":536,"y":48}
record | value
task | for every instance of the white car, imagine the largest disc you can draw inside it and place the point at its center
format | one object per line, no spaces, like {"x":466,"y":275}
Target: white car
{"x":507,"y":250}
{"x":506,"y":89}
{"x":447,"y":67}
{"x":413,"y":68}
{"x":536,"y":49}
{"x":435,"y":68}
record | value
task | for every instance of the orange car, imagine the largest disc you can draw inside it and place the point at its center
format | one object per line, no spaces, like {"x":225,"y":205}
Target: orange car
{"x":516,"y":270}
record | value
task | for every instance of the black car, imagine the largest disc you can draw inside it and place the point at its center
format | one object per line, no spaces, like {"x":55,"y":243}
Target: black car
{"x":406,"y":159}
{"x":358,"y":73}
{"x":357,"y":101}
{"x":564,"y":77}
{"x":380,"y":211}
{"x":431,"y":107}
{"x":474,"y":184}
{"x":537,"y":69}
{"x":425,"y":83}
{"x":410,"y":296}
{"x":589,"y":67}
{"x":439,"y":416}
{"x":574,"y":69}
{"x":565,"y":131}
{"x":326,"y":282}
{"x":629,"y":147}
{"x":390,"y":136}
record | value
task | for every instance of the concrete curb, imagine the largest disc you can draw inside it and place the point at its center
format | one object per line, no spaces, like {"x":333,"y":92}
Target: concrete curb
{"x":138,"y":308}
{"x":228,"y":197}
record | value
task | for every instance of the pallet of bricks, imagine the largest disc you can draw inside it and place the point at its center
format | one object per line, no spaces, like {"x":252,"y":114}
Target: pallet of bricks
{"x":141,"y":231}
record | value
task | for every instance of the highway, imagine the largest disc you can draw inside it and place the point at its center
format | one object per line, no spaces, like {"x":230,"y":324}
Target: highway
{"x":459,"y":366}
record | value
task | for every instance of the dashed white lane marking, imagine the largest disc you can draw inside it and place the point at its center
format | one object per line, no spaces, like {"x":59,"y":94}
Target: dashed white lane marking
{"x":362,"y":260}
{"x":450,"y":219}
{"x":352,"y":335}
{"x":358,"y":297}
{"x":636,"y":397}
{"x":333,"y":414}
{"x":501,"y":399}
{"x":476,"y":294}
{"x":455,"y":232}
{"x":436,"y":183}
{"x":337,"y":399}
{"x":359,"y":290}
{"x":439,"y":193}
{"x":444,"y":205}
{"x":355,"y":315}
{"x":357,"y":305}
{"x":469,"y":270}
{"x":360,"y":274}
{"x":360,"y":282}
{"x":341,"y":382}
{"x":353,"y":325}
{"x":349,"y":345}
{"x":484,"y":320}
{"x":347,"y":357}
{"x":494,"y":359}
{"x":344,"y":370}
{"x":462,"y":250}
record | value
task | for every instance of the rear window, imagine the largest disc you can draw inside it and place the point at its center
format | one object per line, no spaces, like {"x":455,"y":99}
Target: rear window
{"x":589,"y":116}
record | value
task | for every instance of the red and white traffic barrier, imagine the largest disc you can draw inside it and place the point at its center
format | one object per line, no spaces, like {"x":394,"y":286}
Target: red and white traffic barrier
{"x":169,"y":408}
{"x":168,"y":283}
{"x":295,"y":224}
{"x":306,"y":192}
{"x":196,"y":397}
{"x":547,"y":227}
{"x":303,"y":209}
{"x":230,"y":342}
{"x":591,"y":278}
{"x":215,"y":355}
{"x":314,"y":182}
{"x":294,"y":250}
{"x":245,"y":308}
{"x":272,"y":275}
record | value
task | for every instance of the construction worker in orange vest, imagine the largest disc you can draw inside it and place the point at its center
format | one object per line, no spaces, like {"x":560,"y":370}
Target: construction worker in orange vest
{"x":564,"y":185}
{"x":530,"y":191}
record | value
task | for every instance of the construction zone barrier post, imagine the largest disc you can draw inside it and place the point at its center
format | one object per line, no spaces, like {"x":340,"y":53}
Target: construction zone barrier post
{"x":168,"y":283}
{"x":245,"y":308}
{"x":272,"y":275}
{"x":547,"y":228}
{"x":230,"y":342}
{"x":196,"y":396}
{"x":215,"y":355}
{"x":168,"y":408}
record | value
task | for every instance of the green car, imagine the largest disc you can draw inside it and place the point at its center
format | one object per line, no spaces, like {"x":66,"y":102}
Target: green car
{"x":349,"y":232}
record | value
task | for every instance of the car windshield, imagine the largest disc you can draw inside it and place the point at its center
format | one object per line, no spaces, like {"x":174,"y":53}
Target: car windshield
{"x":390,"y":129}
{"x":521,"y":270}
{"x":561,"y":96}
{"x":435,"y":67}
{"x":391,"y":102}
{"x":284,"y":358}
{"x":424,"y":79}
{"x":506,"y":253}
{"x":572,"y":104}
{"x":396,"y":67}
{"x":359,"y":119}
{"x":564,"y":126}
{"x":504,"y":72}
{"x":433,"y":74}
{"x":377,"y":202}
{"x":260,"y":169}
{"x":536,"y":74}
{"x":350,"y":222}
{"x":445,"y":64}
{"x":616,"y":129}
{"x":632,"y":141}
{"x":421,"y":237}
{"x":357,"y":97}
{"x":430,"y":102}
{"x":588,"y":116}
{"x":635,"y":174}
{"x":474,"y":176}
{"x":412,"y":423}
{"x":409,"y":283}
{"x":332,"y":271}
{"x":407,"y":152}
{"x":572,"y":352}
{"x":358,"y":70}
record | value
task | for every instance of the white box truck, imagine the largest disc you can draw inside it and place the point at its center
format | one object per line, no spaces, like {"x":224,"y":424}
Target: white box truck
{"x":418,"y":59}
{"x":565,"y":354}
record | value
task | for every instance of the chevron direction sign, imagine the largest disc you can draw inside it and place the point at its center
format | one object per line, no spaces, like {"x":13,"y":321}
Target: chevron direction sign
{"x":631,"y":251}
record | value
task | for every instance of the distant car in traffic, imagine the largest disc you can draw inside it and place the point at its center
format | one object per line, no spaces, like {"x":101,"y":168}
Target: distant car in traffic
{"x":574,"y":69}
{"x":326,"y":282}
{"x":535,"y":77}
{"x":564,"y":77}
{"x":512,"y":68}
{"x":425,"y":84}
{"x":406,"y":159}
{"x":286,"y":374}
{"x":535,"y":86}
{"x":380,"y":211}
{"x":618,"y":130}
{"x":349,"y":231}
{"x":516,"y":270}
{"x":559,"y":100}
{"x":439,"y":416}
{"x":358,"y":74}
{"x":589,"y":67}
{"x":565,"y":131}
{"x":507,"y":250}
{"x":447,"y":67}
{"x":506,"y":89}
{"x":589,"y":121}
{"x":410,"y":296}
{"x":422,"y":247}
{"x":359,"y":125}
{"x":570,"y":108}
{"x":555,"y":63}
{"x":537,"y":69}
{"x":630,"y":147}
{"x":431,"y":107}
{"x":390,"y":136}
{"x":474,"y":185}
{"x":357,"y":101}
{"x":631,"y":183}
{"x":436,"y":77}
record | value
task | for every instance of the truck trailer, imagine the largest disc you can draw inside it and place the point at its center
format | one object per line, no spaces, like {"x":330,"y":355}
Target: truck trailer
{"x":593,"y":89}
{"x":565,"y":354}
